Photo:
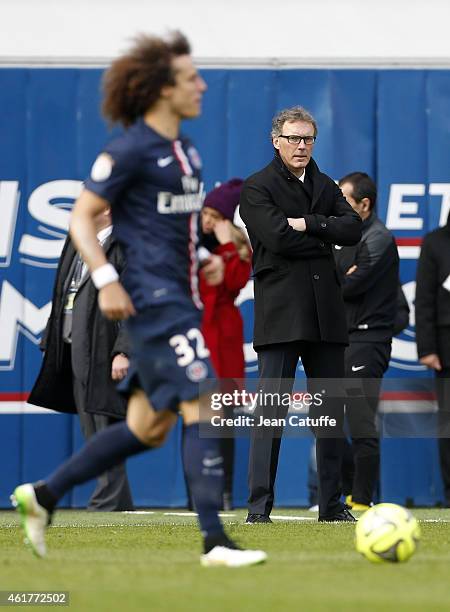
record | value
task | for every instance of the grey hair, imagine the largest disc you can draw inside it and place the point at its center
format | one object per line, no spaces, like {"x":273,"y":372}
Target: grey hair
{"x":295,"y":113}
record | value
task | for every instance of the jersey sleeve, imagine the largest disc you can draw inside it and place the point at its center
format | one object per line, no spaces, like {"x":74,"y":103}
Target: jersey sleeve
{"x":113,"y":170}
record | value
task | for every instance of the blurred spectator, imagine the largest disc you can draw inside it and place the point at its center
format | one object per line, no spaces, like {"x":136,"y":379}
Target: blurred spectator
{"x":84,"y":354}
{"x":369,"y":275}
{"x":433,"y":331}
{"x":222,"y":325}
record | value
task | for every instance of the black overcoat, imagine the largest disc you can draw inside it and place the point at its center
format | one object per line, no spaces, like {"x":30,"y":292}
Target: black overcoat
{"x":297,"y":290}
{"x":95,"y":341}
{"x":433,"y":295}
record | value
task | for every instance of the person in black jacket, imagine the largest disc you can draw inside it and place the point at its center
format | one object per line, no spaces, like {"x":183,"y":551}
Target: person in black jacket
{"x":433,"y":330}
{"x":369,"y":274}
{"x":294,"y":213}
{"x":84,"y":353}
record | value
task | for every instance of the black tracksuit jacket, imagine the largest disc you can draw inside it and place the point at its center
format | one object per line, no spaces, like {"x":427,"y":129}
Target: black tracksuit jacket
{"x":371,"y":292}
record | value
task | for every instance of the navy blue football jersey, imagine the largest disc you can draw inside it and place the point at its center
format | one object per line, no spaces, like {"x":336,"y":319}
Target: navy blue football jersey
{"x":155,"y":191}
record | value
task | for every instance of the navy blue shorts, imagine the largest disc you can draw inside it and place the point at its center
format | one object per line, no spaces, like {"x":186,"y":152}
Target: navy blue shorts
{"x":169,"y":358}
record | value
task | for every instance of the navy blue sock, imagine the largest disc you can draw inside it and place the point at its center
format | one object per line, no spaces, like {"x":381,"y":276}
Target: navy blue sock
{"x":203,"y":464}
{"x":102,"y":452}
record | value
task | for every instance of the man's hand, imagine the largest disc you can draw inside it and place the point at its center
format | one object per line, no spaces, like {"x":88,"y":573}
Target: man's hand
{"x":213,"y":270}
{"x":223,"y":231}
{"x":298,"y":224}
{"x":119,"y":368}
{"x":431,"y":361}
{"x":351,"y":270}
{"x":114,"y":302}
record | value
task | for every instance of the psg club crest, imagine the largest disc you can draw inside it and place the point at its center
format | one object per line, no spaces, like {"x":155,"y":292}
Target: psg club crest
{"x":197,"y":371}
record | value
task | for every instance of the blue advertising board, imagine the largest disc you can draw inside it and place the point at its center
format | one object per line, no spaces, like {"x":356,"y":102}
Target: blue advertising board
{"x":393,"y":124}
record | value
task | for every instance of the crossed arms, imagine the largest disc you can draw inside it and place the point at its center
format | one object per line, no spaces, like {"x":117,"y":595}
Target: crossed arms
{"x":303,"y":237}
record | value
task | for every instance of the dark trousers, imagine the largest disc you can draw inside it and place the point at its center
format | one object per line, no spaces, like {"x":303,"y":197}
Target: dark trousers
{"x":443,"y":398}
{"x":277,"y":365}
{"x":365,"y":364}
{"x":112,"y":493}
{"x":227,"y":446}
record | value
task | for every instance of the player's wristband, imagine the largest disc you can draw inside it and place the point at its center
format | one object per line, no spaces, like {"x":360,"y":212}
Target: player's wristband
{"x":104,"y":275}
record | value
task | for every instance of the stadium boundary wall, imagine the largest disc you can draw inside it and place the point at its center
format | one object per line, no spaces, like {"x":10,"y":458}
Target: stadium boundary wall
{"x":392,"y":124}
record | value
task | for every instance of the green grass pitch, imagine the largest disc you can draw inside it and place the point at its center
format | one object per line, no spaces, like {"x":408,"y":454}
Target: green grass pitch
{"x":128,"y":562}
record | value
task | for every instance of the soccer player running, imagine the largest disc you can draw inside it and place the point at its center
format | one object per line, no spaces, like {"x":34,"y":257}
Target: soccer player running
{"x":150,"y":177}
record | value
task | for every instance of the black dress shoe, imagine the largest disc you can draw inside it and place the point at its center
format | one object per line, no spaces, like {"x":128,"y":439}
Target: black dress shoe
{"x":258,"y":518}
{"x":343,"y":515}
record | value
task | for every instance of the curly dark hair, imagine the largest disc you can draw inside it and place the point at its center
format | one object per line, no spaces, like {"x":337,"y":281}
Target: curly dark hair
{"x":133,"y":82}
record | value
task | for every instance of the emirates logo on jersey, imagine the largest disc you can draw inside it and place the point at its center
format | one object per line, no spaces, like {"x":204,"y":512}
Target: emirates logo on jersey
{"x":169,"y":204}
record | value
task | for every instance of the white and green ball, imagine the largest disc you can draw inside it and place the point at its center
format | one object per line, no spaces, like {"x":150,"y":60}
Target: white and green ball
{"x":387,"y":533}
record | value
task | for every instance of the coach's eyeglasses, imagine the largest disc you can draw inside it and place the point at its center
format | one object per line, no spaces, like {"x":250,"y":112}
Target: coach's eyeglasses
{"x":296,"y":140}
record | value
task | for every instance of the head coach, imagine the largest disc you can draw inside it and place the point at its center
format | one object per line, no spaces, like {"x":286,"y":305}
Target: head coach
{"x":294,"y":213}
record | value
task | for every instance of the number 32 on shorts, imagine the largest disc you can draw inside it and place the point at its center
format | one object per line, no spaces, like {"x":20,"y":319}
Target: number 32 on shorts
{"x":186,"y":353}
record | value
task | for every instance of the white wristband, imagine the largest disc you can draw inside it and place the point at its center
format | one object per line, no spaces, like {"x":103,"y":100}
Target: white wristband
{"x":104,"y":275}
{"x":202,"y":254}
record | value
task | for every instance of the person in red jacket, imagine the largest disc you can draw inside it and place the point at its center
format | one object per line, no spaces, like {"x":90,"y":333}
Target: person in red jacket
{"x":222,"y":325}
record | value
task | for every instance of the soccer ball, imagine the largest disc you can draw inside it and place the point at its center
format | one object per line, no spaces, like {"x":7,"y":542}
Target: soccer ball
{"x":387,"y":533}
